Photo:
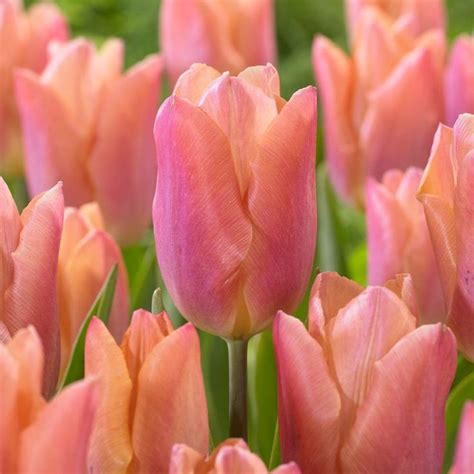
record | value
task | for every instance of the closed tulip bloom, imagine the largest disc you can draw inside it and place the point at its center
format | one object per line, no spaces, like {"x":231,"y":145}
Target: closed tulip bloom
{"x":24,"y":39}
{"x":233,"y":456}
{"x":88,"y":124}
{"x":446,"y":194}
{"x":459,"y":79}
{"x":382,"y":105}
{"x":36,"y":436}
{"x":152,"y":394}
{"x":399,"y":241}
{"x":86,"y":256}
{"x":229,"y":36}
{"x":240,"y":154}
{"x":29,"y":247}
{"x":464,"y":457}
{"x":362,"y":389}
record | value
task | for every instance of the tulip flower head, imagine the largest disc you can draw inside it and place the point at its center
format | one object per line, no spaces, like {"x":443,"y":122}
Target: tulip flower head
{"x":24,"y":40}
{"x":86,"y":123}
{"x":362,"y":384}
{"x":446,"y":193}
{"x":239,"y":155}
{"x":29,"y":247}
{"x":382,"y":105}
{"x":464,"y":457}
{"x":152,"y":394}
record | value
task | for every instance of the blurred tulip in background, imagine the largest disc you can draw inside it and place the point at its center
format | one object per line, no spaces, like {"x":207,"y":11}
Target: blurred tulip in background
{"x":464,"y":458}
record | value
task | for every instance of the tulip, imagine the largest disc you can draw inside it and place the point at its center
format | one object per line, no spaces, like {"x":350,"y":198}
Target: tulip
{"x":29,"y":247}
{"x":36,"y":436}
{"x":382,"y":105}
{"x":24,"y":36}
{"x":464,"y":458}
{"x":418,"y":15}
{"x":86,"y":256}
{"x":363,"y":389}
{"x":228,"y":255}
{"x":399,"y":241}
{"x":459,"y":79}
{"x":446,"y":195}
{"x":152,"y":394}
{"x":233,"y":456}
{"x":229,"y":36}
{"x":86,"y":123}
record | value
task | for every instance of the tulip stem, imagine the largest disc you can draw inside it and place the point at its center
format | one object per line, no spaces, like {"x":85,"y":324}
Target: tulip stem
{"x":237,"y":388}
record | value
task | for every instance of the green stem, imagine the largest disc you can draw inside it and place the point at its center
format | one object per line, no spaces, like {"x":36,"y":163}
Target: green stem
{"x":237,"y":388}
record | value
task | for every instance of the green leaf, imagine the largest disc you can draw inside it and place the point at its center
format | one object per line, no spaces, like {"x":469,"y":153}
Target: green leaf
{"x":100,"y":308}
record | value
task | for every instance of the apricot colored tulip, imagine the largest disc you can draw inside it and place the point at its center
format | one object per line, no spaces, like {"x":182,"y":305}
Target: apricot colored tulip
{"x":398,"y":240}
{"x":363,"y":389}
{"x":459,"y":79}
{"x":446,"y":193}
{"x":152,"y":394}
{"x":88,"y":124}
{"x":29,"y":247}
{"x":36,"y":436}
{"x":240,"y":155}
{"x":381,"y":105}
{"x":24,"y":39}
{"x":233,"y":456}
{"x":86,"y":256}
{"x":464,"y":457}
{"x":229,"y":36}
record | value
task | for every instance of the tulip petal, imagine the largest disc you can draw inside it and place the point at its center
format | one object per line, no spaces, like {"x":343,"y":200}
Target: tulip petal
{"x":290,"y":468}
{"x":402,"y":286}
{"x":464,"y":457}
{"x":193,"y":82}
{"x":265,"y":78}
{"x":235,"y":460}
{"x":463,"y":137}
{"x":184,"y":459}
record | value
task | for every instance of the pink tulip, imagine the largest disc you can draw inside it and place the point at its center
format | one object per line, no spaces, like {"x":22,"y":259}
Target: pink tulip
{"x":399,"y":240}
{"x":446,"y":193}
{"x":86,"y":256}
{"x":24,"y":39}
{"x":229,"y":36}
{"x":86,"y":123}
{"x":382,"y":105}
{"x":240,"y":155}
{"x":362,"y":390}
{"x":464,"y":458}
{"x":152,"y":394}
{"x":29,"y":246}
{"x":233,"y":456}
{"x":459,"y":79}
{"x":36,"y":436}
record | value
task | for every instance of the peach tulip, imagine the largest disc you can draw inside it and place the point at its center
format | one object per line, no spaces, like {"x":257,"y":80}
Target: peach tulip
{"x":464,"y":457}
{"x":233,"y":456}
{"x":240,"y":155}
{"x":86,"y":123}
{"x":363,"y":389}
{"x":86,"y":256}
{"x":399,"y":241}
{"x":229,"y":36}
{"x":446,"y":193}
{"x":382,"y":105}
{"x":29,"y":247}
{"x":24,"y":39}
{"x":459,"y":79}
{"x":36,"y":436}
{"x":152,"y":394}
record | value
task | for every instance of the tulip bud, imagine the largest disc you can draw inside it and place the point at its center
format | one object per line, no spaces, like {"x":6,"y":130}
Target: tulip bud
{"x":152,"y":394}
{"x":86,"y":123}
{"x":446,"y":195}
{"x":362,"y":384}
{"x":36,"y":436}
{"x":399,"y":241}
{"x":382,"y":105}
{"x":459,"y":79}
{"x":464,"y":458}
{"x":240,"y":154}
{"x":29,"y":247}
{"x":229,"y":36}
{"x":86,"y":256}
{"x":24,"y":36}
